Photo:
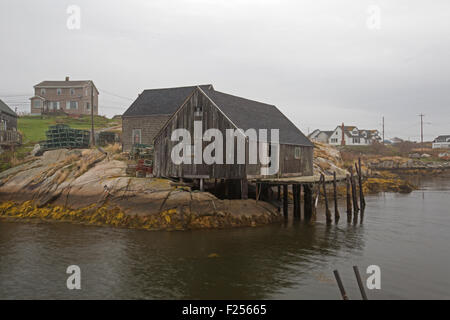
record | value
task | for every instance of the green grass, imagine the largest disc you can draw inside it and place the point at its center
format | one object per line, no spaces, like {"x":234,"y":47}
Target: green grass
{"x":33,"y":131}
{"x":33,"y":127}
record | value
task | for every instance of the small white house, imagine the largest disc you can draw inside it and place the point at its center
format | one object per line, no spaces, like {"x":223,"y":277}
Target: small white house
{"x":320,"y":136}
{"x":351,"y":136}
{"x":441,"y":142}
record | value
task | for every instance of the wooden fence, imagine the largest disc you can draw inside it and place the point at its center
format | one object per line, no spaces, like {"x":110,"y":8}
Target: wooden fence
{"x":10,"y":138}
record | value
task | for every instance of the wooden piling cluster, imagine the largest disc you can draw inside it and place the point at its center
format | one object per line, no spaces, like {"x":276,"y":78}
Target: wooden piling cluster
{"x":312,"y":190}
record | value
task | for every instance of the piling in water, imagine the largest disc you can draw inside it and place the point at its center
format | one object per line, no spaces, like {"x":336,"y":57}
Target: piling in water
{"x":336,"y":210}
{"x":349,"y":200}
{"x":327,"y":209}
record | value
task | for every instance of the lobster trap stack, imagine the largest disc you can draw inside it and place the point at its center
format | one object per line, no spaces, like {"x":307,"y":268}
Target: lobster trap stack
{"x":62,"y":136}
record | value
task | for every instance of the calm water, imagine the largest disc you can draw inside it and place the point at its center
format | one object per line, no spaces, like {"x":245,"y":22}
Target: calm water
{"x":408,"y":236}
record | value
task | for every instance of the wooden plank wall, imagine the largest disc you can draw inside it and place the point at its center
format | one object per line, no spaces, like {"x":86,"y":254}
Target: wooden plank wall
{"x":213,"y":118}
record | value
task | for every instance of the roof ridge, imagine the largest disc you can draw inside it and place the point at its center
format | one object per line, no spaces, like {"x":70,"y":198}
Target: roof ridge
{"x":235,"y":96}
{"x":182,"y":87}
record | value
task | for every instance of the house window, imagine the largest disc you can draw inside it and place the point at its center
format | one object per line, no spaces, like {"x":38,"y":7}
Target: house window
{"x":88,"y":106}
{"x":356,"y":140}
{"x":72,"y":92}
{"x":298,"y":151}
{"x":55,"y":105}
{"x":72,"y":105}
{"x":37,"y":103}
{"x":86,"y":92}
{"x":42,"y":92}
{"x":334,"y":140}
{"x":136,"y":136}
{"x":58,"y":92}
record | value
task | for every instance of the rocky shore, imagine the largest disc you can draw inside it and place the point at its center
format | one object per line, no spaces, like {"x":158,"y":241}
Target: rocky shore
{"x":91,"y":187}
{"x":399,"y":163}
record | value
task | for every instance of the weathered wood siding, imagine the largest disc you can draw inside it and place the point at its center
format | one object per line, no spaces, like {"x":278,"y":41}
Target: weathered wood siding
{"x":213,"y":118}
{"x":184,"y":118}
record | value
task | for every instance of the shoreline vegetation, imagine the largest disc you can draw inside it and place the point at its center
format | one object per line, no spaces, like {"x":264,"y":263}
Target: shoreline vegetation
{"x":91,"y":187}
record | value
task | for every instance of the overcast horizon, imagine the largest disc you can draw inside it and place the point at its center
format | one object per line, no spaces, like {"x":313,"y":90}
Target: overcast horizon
{"x":320,"y":62}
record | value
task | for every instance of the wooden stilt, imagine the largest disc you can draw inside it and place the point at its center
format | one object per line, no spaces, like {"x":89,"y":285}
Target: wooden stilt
{"x":308,"y":199}
{"x":279,"y":193}
{"x":349,"y":200}
{"x":244,"y":189}
{"x":299,"y":199}
{"x":327,"y":209}
{"x":285,"y":201}
{"x":361,"y":191}
{"x":354,"y":195}
{"x":336,"y":210}
{"x":201,"y":185}
{"x":296,"y":196}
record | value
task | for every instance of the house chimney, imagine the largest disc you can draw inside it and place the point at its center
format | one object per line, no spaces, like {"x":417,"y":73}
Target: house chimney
{"x":67,"y":78}
{"x":343,"y":135}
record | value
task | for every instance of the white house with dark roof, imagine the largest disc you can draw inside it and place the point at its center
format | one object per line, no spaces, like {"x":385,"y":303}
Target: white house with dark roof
{"x":320,"y":136}
{"x":442,"y":142}
{"x":352,"y":136}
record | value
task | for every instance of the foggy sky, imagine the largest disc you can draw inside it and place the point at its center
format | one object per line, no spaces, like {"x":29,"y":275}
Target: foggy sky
{"x":317,"y":61}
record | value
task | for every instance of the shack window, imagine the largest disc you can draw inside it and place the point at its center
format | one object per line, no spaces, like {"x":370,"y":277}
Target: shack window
{"x":37,"y":103}
{"x":136,"y":136}
{"x":198,"y":111}
{"x":297,"y":152}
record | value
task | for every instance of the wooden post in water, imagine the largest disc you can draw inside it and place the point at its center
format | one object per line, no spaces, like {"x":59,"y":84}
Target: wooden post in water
{"x":285,"y":201}
{"x":296,"y":188}
{"x":327,"y":209}
{"x":349,"y":200}
{"x":294,"y":198}
{"x":336,"y":210}
{"x":360,"y":283}
{"x":308,"y":199}
{"x":354,"y":195}
{"x":279,"y":193}
{"x":361,"y":191}
{"x":340,"y":285}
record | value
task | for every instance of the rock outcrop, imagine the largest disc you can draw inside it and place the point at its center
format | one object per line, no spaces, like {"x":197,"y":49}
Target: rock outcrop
{"x":82,"y":183}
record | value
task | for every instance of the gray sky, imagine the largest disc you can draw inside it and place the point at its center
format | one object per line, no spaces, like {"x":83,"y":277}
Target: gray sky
{"x":319,"y":61}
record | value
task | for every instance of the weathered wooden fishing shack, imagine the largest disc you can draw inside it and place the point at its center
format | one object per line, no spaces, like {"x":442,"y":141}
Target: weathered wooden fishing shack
{"x":221,"y":111}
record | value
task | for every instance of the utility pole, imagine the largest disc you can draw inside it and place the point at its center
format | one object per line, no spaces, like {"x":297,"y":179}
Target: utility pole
{"x":92,"y":115}
{"x":383,"y":130}
{"x":421,"y":130}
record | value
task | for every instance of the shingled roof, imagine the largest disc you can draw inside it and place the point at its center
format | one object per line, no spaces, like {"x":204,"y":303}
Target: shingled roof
{"x":160,"y":101}
{"x":247,"y":114}
{"x":5,"y":109}
{"x":443,"y":138}
{"x":62,"y":84}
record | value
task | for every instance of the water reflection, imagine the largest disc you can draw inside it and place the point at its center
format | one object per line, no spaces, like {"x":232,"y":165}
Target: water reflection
{"x":407,"y":235}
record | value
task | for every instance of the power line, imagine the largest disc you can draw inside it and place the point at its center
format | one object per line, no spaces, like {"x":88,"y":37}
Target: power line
{"x":116,"y":95}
